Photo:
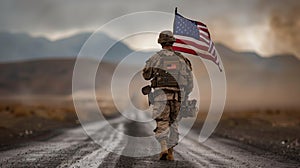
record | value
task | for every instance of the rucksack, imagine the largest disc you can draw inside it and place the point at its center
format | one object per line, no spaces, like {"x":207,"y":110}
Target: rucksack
{"x":172,"y":71}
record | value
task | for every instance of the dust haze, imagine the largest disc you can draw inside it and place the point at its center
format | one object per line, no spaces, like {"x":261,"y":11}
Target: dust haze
{"x":284,"y":22}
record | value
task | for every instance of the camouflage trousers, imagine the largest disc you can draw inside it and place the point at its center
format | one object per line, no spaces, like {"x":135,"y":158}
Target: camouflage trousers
{"x":165,"y":114}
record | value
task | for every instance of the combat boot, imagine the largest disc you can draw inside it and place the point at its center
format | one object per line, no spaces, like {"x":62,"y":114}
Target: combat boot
{"x":164,"y":150}
{"x":170,"y":154}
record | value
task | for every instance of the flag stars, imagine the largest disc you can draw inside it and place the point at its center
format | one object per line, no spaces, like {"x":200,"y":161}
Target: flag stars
{"x":185,"y":27}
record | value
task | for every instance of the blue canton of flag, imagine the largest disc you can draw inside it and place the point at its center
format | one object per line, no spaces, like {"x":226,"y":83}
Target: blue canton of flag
{"x":185,"y":27}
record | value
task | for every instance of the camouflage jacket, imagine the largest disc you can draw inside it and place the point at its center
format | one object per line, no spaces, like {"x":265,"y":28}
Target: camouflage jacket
{"x":153,"y":62}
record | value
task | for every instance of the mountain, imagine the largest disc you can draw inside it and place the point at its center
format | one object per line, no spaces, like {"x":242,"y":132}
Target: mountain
{"x":49,"y":76}
{"x":253,"y":82}
{"x":19,"y":47}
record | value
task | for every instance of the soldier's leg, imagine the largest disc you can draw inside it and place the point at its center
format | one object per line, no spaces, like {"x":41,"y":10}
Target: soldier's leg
{"x":174,"y":134}
{"x":161,"y":110}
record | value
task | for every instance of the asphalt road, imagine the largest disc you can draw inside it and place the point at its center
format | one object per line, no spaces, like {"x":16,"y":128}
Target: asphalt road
{"x":73,"y":148}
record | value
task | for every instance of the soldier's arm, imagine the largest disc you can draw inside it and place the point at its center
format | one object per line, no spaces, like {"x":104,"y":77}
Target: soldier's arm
{"x":150,"y":67}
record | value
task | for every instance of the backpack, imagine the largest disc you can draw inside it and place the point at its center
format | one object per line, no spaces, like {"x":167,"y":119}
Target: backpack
{"x":172,"y":71}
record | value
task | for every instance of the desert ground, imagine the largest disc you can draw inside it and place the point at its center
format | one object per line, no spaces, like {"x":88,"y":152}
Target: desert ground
{"x":276,"y":131}
{"x":270,"y":130}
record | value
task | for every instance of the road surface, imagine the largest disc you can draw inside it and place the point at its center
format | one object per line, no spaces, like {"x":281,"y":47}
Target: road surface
{"x":73,"y":148}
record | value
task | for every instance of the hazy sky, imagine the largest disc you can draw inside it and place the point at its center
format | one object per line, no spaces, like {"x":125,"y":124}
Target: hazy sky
{"x":265,"y":26}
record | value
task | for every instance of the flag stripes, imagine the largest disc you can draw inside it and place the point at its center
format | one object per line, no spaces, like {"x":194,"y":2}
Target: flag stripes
{"x":193,"y":37}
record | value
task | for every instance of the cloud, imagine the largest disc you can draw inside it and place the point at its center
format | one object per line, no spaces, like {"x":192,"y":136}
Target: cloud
{"x":228,"y":20}
{"x":57,"y":15}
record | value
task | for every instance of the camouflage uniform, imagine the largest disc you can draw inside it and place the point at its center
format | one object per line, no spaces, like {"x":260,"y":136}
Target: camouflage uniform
{"x":167,"y":100}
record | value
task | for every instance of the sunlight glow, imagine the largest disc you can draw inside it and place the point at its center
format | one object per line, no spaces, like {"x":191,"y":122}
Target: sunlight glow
{"x":144,"y":41}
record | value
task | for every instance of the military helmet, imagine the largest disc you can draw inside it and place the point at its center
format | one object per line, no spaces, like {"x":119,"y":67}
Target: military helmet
{"x":166,"y":37}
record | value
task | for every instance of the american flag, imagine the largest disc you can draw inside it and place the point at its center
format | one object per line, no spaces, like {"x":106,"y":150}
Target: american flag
{"x":171,"y":66}
{"x":193,"y":37}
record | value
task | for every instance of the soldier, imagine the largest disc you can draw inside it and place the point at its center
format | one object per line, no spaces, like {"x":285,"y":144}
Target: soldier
{"x":172,"y":81}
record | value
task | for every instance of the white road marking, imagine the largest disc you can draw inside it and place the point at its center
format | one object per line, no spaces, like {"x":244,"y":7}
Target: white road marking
{"x":94,"y":159}
{"x":38,"y":150}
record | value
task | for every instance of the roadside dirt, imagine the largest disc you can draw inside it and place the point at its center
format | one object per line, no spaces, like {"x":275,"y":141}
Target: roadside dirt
{"x":275,"y":131}
{"x":24,"y":122}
